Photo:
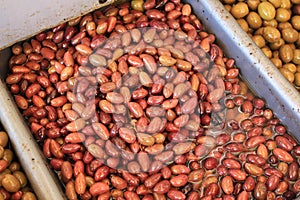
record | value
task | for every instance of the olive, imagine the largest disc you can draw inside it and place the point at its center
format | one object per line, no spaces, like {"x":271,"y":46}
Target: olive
{"x":239,"y":10}
{"x":254,"y":20}
{"x":296,"y":22}
{"x":287,"y":74}
{"x":11,"y":183}
{"x":266,"y":10}
{"x":290,"y":35}
{"x":286,"y":53}
{"x":271,"y":34}
{"x":259,"y":40}
{"x":283,"y":15}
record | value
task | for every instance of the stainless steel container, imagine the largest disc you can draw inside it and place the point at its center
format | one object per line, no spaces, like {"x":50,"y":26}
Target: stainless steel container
{"x":261,"y":75}
{"x":20,"y":20}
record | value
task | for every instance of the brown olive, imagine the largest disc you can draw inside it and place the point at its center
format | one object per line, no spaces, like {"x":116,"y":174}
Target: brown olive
{"x":287,"y":74}
{"x":28,"y":196}
{"x":266,"y":10}
{"x":271,"y":34}
{"x":17,"y":49}
{"x":11,"y":183}
{"x":297,"y":79}
{"x":296,"y":22}
{"x":3,"y":138}
{"x":267,"y":51}
{"x":296,"y":57}
{"x":239,"y":10}
{"x":254,"y":20}
{"x":277,"y":45}
{"x":286,"y":53}
{"x":290,"y":35}
{"x":277,"y":62}
{"x":283,"y":15}
{"x":259,"y":40}
{"x":272,"y":22}
{"x":253,"y":4}
{"x":276,"y":3}
{"x":243,"y":24}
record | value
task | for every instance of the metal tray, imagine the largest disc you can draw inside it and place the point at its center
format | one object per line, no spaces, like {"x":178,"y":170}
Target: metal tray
{"x":31,"y":17}
{"x":258,"y":71}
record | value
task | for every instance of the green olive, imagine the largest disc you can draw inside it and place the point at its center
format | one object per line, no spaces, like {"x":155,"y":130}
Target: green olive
{"x":266,"y":10}
{"x":3,"y":138}
{"x":296,"y":57}
{"x":254,"y":20}
{"x":286,"y":4}
{"x":8,"y":156}
{"x":292,"y":46}
{"x":239,"y":10}
{"x":271,"y":34}
{"x":290,"y":35}
{"x":295,"y":1}
{"x":287,"y":74}
{"x":296,"y":22}
{"x":228,"y":1}
{"x":259,"y":41}
{"x":11,"y":183}
{"x":276,"y":3}
{"x":267,"y":51}
{"x":291,"y":67}
{"x":253,"y":4}
{"x":21,"y":178}
{"x":277,"y":45}
{"x":14,"y":166}
{"x":283,"y":15}
{"x":28,"y":196}
{"x":277,"y":62}
{"x":275,"y":54}
{"x":3,"y":173}
{"x":243,"y":24}
{"x":1,"y":152}
{"x":297,"y":79}
{"x":286,"y":53}
{"x":259,"y":31}
{"x":227,"y":7}
{"x":137,"y":5}
{"x":298,"y":42}
{"x":284,"y":25}
{"x":272,"y":22}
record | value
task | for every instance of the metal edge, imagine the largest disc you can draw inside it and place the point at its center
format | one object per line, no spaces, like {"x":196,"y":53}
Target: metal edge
{"x":13,"y":34}
{"x":263,"y":77}
{"x":41,"y":177}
